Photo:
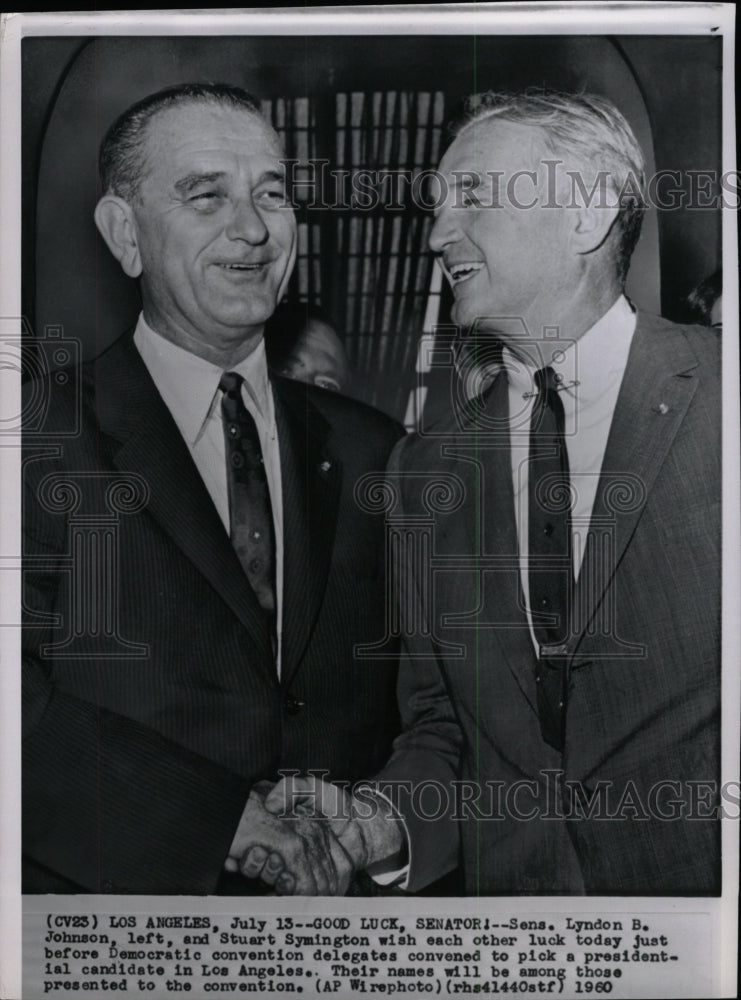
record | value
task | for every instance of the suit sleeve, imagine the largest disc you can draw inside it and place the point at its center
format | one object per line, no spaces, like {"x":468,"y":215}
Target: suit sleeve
{"x":109,"y":805}
{"x":420,"y":774}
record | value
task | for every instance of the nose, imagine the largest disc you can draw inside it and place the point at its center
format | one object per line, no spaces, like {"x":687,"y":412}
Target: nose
{"x":247,"y":224}
{"x":444,"y":230}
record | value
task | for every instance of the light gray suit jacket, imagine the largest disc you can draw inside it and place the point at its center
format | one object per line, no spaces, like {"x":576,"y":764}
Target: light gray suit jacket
{"x":628,"y":808}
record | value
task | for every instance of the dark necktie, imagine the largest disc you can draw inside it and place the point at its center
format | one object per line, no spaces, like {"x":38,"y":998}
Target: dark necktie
{"x":550,"y":575}
{"x":250,"y":514}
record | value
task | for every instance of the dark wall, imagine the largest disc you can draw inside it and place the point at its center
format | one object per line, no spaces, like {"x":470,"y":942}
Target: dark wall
{"x":680,"y":80}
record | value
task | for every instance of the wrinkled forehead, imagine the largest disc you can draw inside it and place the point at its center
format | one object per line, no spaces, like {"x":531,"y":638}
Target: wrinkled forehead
{"x":200,"y":127}
{"x":491,"y":143}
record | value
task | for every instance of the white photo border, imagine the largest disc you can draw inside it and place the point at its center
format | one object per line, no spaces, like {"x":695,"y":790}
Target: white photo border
{"x":462,"y":19}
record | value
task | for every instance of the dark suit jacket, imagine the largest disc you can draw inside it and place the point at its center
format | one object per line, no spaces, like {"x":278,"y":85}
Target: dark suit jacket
{"x":644,"y":657}
{"x":151,"y":699}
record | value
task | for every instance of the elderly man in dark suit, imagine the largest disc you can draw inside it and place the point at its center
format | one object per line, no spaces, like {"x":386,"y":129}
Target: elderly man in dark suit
{"x":197,"y":571}
{"x":561,"y":687}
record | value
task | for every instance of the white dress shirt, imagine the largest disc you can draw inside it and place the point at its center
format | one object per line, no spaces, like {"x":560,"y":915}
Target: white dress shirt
{"x":591,"y":371}
{"x":189,"y":387}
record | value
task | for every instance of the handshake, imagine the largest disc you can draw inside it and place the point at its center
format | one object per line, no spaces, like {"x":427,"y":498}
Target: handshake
{"x":306,"y":837}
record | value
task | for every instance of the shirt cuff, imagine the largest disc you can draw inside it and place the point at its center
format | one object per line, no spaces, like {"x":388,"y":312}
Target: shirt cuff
{"x":387,"y":872}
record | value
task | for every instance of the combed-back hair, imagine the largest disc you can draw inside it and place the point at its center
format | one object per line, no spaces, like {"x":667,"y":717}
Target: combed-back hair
{"x":122,"y":160}
{"x":700,"y":301}
{"x":584,"y":126}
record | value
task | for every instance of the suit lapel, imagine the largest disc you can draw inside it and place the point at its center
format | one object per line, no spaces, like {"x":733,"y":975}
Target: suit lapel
{"x":148,"y":442}
{"x":311,"y":481}
{"x":656,"y":391}
{"x":490,"y":529}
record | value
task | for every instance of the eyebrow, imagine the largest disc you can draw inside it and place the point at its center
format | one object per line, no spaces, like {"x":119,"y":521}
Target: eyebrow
{"x":273,"y":175}
{"x":186,"y":184}
{"x":467,"y":179}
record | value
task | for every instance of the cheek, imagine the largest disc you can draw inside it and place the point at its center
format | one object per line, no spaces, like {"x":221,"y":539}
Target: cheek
{"x":283,"y":232}
{"x":503,"y":239}
{"x":550,"y":232}
{"x":185,"y":236}
{"x":534,"y":256}
{"x":159,"y":249}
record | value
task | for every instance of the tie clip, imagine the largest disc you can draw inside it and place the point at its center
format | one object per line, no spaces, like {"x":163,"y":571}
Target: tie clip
{"x":559,"y":388}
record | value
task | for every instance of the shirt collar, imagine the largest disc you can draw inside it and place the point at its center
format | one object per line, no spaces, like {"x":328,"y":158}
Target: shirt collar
{"x":586,"y":366}
{"x":189,"y":384}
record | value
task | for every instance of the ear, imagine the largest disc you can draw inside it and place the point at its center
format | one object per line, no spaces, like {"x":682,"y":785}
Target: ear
{"x":592,"y":223}
{"x":114,"y":218}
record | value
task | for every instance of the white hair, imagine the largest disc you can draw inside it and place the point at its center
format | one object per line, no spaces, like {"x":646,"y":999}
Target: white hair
{"x":582,"y":126}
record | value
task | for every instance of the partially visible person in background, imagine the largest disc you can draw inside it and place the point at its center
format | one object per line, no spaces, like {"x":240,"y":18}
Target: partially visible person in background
{"x":705,"y":302}
{"x":302,"y":344}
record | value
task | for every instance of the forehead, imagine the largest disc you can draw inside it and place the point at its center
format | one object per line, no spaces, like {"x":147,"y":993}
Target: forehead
{"x":199,"y":131}
{"x":317,"y":330}
{"x":317,"y":338}
{"x":493,"y":144}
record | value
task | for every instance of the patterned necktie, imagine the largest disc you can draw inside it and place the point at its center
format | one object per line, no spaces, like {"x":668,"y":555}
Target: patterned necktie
{"x":250,"y":514}
{"x":550,"y":575}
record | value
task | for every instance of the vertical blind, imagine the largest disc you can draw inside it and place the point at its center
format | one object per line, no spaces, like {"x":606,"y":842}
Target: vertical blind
{"x":363,"y":197}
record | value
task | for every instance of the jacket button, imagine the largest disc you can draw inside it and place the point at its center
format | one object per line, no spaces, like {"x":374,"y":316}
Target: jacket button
{"x":292,"y":706}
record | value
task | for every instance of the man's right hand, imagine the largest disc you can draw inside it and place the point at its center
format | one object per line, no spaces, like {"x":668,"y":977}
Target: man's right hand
{"x":366,"y":832}
{"x":295,"y":854}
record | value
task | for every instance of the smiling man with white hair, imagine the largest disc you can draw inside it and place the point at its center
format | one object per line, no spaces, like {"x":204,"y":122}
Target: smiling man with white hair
{"x":560,"y":692}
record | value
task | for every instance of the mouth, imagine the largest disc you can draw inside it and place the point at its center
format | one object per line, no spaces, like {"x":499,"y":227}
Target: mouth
{"x":243,"y":267}
{"x":464,"y":271}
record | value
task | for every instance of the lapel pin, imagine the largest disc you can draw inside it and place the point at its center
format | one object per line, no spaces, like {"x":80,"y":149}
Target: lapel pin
{"x":325,"y":466}
{"x":663,"y":408}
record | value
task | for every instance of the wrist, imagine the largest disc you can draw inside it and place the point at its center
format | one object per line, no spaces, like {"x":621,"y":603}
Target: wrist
{"x":379,"y":830}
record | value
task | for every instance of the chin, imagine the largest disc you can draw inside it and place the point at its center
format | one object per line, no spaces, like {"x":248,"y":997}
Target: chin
{"x":466,"y":317}
{"x":241,"y":319}
{"x":467,"y":309}
{"x":460,"y":315}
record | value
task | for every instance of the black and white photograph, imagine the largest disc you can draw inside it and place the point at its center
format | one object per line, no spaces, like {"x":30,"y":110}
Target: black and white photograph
{"x":370,"y":486}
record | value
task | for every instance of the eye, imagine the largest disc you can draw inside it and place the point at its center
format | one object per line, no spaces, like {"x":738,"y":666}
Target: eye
{"x":205,"y":201}
{"x":469,"y":199}
{"x":271,"y":197}
{"x":327,"y":382}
